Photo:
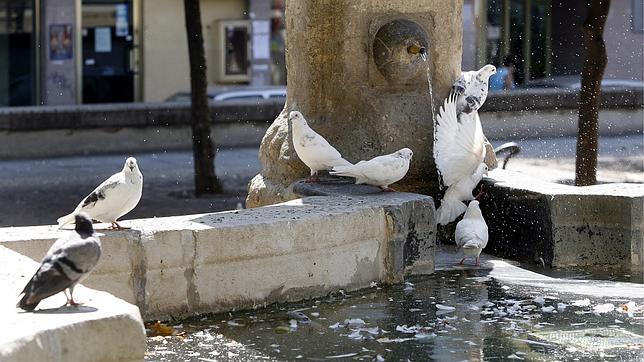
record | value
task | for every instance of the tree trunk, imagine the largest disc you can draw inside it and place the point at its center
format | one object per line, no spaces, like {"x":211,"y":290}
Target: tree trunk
{"x":595,"y":60}
{"x":202,"y":145}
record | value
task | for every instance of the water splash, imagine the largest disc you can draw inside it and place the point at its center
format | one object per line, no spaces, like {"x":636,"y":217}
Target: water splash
{"x":431,"y":91}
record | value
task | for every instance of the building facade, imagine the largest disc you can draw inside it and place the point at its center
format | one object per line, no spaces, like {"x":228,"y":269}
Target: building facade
{"x":544,"y":37}
{"x":58,"y":52}
{"x":99,"y":51}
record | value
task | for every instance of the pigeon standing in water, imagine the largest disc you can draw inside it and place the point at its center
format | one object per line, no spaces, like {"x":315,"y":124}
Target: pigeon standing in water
{"x":472,"y":89}
{"x":112,"y":199}
{"x":471,"y":232}
{"x":380,"y":171}
{"x":459,"y":150}
{"x":69,"y":260}
{"x":313,"y":149}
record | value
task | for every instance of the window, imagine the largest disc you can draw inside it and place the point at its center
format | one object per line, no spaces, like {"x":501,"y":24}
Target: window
{"x":637,"y":16}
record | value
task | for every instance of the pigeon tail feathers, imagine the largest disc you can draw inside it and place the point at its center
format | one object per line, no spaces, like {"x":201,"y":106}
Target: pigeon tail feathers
{"x":341,"y":162}
{"x":449,"y":210}
{"x":472,"y":244}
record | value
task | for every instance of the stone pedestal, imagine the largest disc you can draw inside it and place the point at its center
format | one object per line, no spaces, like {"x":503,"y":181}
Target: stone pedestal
{"x":340,"y":79}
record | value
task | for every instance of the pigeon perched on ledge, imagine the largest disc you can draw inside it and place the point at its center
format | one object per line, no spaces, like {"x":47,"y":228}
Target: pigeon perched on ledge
{"x":313,"y":149}
{"x":472,"y":232}
{"x":112,"y":199}
{"x":380,"y":171}
{"x":69,"y":260}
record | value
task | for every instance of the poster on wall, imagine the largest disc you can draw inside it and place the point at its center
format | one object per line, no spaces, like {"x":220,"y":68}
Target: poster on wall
{"x":122,"y":25}
{"x":61,"y":42}
{"x":102,"y":40}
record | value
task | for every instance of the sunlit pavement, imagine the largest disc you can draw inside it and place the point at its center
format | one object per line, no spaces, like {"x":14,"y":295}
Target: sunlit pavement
{"x":37,"y":192}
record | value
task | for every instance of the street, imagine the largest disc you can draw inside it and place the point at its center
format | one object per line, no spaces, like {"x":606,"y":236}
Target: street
{"x":37,"y":192}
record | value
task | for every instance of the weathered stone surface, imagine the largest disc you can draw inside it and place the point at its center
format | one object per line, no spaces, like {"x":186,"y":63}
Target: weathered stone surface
{"x":559,"y":225}
{"x":182,"y":265}
{"x":104,"y":328}
{"x":334,"y":82}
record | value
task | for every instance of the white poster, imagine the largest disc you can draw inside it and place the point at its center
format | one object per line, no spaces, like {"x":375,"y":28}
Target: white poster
{"x":261,"y":46}
{"x":122,"y":24}
{"x":102,"y":40}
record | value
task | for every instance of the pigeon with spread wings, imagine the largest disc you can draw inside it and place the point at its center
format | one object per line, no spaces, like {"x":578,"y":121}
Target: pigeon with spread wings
{"x":459,"y":150}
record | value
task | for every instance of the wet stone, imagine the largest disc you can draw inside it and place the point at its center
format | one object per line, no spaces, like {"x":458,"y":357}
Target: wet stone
{"x":334,"y":186}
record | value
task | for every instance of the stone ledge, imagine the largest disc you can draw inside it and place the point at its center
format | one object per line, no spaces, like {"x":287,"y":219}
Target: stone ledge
{"x":183,"y":265}
{"x":104,"y":328}
{"x":562,"y":226}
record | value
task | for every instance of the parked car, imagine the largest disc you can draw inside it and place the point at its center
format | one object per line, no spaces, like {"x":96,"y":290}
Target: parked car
{"x":235,"y":93}
{"x":574,"y":82}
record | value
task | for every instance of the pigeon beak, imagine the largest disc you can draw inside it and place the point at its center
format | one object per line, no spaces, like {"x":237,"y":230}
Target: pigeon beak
{"x":131,"y":168}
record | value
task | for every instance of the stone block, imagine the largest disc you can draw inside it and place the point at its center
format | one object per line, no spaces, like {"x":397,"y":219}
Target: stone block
{"x":104,"y":328}
{"x":182,"y":265}
{"x":564,"y":226}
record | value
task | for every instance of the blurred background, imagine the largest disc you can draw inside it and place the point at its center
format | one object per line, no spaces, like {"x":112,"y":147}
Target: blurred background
{"x":85,"y":83}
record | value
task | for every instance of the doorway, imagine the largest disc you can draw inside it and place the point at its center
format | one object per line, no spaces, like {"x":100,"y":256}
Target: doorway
{"x":109,"y":60}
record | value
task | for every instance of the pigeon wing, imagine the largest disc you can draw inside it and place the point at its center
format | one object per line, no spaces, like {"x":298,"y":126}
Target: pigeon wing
{"x":320,"y":149}
{"x":458,"y":145}
{"x":66,"y":262}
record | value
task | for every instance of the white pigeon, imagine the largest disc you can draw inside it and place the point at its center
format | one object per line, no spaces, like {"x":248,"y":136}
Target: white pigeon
{"x":472,"y":89}
{"x":69,"y":260}
{"x":380,"y":171}
{"x":471,"y":232}
{"x":452,"y":205}
{"x":112,"y":199}
{"x":459,"y":150}
{"x":313,"y":149}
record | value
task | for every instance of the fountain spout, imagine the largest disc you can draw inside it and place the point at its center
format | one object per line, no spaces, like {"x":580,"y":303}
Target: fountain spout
{"x":415,"y":49}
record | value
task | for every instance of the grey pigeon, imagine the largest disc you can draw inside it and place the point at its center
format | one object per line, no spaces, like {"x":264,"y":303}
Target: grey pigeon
{"x":472,"y":89}
{"x":112,"y":199}
{"x":69,"y":260}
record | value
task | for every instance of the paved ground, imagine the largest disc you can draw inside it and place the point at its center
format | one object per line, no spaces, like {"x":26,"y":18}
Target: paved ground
{"x":37,"y":192}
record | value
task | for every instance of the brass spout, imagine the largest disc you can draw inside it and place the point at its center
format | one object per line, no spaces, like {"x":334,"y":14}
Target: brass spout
{"x":415,"y":49}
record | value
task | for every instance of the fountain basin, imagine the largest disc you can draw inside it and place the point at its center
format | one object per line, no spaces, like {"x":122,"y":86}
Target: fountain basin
{"x":184,"y":265}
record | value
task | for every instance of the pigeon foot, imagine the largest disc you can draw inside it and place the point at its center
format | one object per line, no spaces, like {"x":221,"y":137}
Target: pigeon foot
{"x":461,"y":262}
{"x":312,"y":179}
{"x":481,"y":194}
{"x":116,"y":226}
{"x":388,"y":189}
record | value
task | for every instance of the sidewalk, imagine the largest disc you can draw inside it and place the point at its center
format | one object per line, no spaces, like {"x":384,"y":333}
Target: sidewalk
{"x":37,"y":192}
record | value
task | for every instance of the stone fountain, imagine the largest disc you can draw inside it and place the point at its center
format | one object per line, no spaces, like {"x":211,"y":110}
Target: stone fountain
{"x":363,"y":72}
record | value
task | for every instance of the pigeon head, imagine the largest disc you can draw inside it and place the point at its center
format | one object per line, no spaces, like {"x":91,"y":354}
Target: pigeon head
{"x":485,"y":72}
{"x":405,"y":153}
{"x":83,"y":225}
{"x":130,"y":165}
{"x":480,"y":171}
{"x":296,"y":118}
